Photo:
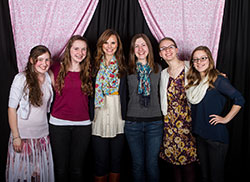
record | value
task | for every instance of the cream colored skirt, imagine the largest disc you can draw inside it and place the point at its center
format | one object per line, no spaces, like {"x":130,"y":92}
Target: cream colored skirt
{"x":33,"y":164}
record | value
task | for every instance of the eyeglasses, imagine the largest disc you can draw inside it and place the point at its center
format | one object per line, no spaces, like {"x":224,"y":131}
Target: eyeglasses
{"x":202,"y":59}
{"x":171,"y":47}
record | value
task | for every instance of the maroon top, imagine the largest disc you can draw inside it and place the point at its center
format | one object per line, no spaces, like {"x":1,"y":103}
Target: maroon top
{"x":72,"y":104}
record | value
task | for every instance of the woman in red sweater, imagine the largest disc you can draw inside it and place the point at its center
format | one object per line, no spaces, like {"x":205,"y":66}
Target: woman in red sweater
{"x":70,"y":122}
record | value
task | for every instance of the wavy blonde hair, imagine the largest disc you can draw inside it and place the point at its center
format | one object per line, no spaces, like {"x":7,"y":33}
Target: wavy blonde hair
{"x":85,"y":68}
{"x":194,"y":76}
{"x":32,"y":82}
{"x":118,"y":54}
{"x":132,"y":56}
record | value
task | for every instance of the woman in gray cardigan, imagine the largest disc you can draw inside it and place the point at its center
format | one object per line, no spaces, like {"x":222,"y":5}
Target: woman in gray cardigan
{"x":144,"y":125}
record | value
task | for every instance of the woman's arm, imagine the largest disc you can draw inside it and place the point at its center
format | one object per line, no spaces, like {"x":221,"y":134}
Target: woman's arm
{"x":17,"y":142}
{"x":51,"y":74}
{"x":223,"y":120}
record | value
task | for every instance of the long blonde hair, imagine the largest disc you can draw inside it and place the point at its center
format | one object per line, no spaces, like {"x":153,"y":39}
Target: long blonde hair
{"x":32,"y":83}
{"x":194,"y":76}
{"x":85,"y":68}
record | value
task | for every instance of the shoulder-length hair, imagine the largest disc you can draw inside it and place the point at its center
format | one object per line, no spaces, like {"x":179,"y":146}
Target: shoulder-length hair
{"x":132,"y":56}
{"x":32,"y":82}
{"x":85,"y":67}
{"x":193,"y":75}
{"x":118,"y":54}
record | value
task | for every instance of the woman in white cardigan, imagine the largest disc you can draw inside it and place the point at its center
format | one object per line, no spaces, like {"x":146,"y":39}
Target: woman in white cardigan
{"x":178,"y":146}
{"x":29,"y":155}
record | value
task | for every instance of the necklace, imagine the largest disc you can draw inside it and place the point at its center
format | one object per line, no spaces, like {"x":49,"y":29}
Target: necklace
{"x":174,"y":72}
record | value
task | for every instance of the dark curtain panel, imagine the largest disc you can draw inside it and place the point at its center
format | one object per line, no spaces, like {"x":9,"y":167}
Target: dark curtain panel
{"x":8,"y":70}
{"x":234,"y":60}
{"x":124,"y":16}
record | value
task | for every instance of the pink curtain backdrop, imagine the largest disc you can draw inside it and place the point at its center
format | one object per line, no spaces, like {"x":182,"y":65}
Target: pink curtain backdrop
{"x":189,"y":22}
{"x":50,"y":23}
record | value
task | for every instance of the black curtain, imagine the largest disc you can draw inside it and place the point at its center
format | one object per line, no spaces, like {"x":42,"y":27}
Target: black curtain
{"x":234,"y":60}
{"x":125,"y":16}
{"x":8,"y":70}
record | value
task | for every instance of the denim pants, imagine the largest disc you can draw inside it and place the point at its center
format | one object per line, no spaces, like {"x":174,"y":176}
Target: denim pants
{"x":69,"y":147}
{"x":144,"y":140}
{"x":212,"y":156}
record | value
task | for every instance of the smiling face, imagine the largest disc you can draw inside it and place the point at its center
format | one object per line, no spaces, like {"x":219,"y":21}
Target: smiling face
{"x":109,"y":47}
{"x":168,"y":50}
{"x":141,"y":49}
{"x":42,"y":63}
{"x":201,"y":61}
{"x":78,"y":51}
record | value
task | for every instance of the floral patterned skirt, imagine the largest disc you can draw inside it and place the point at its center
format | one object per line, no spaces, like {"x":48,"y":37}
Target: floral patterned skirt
{"x":33,"y":164}
{"x":179,"y":146}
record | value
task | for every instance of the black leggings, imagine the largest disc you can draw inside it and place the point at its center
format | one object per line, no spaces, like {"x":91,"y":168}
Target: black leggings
{"x":185,"y":173}
{"x":69,"y":147}
{"x":107,"y":154}
{"x":212,"y":156}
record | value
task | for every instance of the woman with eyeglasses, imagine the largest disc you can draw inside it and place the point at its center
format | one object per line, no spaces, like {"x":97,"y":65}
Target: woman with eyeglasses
{"x":206,"y":91}
{"x":178,"y":146}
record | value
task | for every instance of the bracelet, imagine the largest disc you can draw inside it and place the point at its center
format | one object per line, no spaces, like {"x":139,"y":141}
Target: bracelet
{"x":15,"y":138}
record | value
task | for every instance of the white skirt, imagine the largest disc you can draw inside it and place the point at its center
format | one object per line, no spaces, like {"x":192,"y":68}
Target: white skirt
{"x":33,"y":164}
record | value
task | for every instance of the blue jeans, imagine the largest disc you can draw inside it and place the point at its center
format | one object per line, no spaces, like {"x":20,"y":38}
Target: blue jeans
{"x":144,"y":140}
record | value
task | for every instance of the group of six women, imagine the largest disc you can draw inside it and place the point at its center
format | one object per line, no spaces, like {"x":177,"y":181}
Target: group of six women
{"x":107,"y":101}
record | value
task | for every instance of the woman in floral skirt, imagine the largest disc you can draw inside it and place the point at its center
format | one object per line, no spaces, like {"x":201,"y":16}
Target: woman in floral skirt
{"x":29,"y":153}
{"x":178,"y":147}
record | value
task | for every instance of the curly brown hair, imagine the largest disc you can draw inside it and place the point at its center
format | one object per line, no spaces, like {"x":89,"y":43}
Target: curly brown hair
{"x":132,"y":56}
{"x":118,"y":54}
{"x":32,"y":83}
{"x":194,"y":76}
{"x":85,"y":68}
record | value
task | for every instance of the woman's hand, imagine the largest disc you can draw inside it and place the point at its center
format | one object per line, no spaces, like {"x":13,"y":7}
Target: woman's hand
{"x":223,"y":120}
{"x":17,"y":144}
{"x":217,"y":119}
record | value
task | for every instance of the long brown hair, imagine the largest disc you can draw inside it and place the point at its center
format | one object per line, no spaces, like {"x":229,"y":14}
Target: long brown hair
{"x":194,"y":76}
{"x":132,"y":56}
{"x":32,"y":82}
{"x":118,"y":54}
{"x":85,"y":67}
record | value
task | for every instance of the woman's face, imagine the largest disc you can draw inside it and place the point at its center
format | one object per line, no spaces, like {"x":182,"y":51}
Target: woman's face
{"x":78,"y":51}
{"x":201,"y":61}
{"x":168,"y":51}
{"x":43,"y":63}
{"x":141,"y":49}
{"x":110,"y":46}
